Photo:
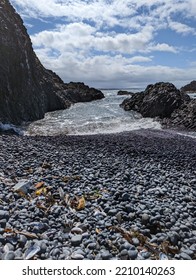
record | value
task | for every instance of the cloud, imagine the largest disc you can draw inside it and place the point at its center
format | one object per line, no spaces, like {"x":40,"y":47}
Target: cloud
{"x":181,"y":28}
{"x":112,"y":42}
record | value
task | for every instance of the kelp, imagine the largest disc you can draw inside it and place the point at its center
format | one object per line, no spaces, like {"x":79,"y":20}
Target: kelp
{"x":160,"y":251}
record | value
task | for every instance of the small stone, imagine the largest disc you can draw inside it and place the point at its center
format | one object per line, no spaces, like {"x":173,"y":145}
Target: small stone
{"x":105,"y":255}
{"x":22,"y":186}
{"x":174,"y":237}
{"x":4,"y":215}
{"x":92,"y":246}
{"x":124,"y":254}
{"x":3,"y":223}
{"x":112,"y":212}
{"x":9,"y":255}
{"x":125,"y":196}
{"x":184,"y":256}
{"x":8,"y":247}
{"x":133,"y":254}
{"x":131,"y":216}
{"x":145,"y":218}
{"x":76,"y":240}
{"x":145,"y":255}
{"x":187,"y":251}
{"x":135,"y":241}
{"x":75,"y":256}
{"x":22,"y":240}
{"x":76,"y":230}
{"x":193,"y":248}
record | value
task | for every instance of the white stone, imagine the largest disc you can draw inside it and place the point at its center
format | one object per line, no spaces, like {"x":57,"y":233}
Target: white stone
{"x":22,"y":186}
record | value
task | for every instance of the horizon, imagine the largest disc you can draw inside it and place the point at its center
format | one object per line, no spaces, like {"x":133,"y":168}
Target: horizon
{"x":114,"y":44}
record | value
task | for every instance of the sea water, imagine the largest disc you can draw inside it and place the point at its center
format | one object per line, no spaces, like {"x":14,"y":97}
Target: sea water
{"x":96,"y":117}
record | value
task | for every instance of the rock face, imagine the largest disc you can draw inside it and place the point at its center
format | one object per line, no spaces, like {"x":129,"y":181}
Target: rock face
{"x":160,"y":100}
{"x":184,"y":117}
{"x":190,"y":87}
{"x":27,"y":89}
{"x":79,"y":92}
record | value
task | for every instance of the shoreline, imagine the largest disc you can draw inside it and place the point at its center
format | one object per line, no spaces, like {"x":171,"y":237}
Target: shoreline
{"x":103,"y":195}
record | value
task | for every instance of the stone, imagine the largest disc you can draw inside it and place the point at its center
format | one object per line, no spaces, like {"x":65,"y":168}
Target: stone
{"x":158,"y":100}
{"x":133,"y":254}
{"x":22,"y":186}
{"x":4,"y":215}
{"x":145,"y":218}
{"x":184,"y":256}
{"x":124,"y":92}
{"x":76,"y":256}
{"x":76,"y":240}
{"x":9,"y":255}
{"x":191,"y":87}
{"x":163,"y":101}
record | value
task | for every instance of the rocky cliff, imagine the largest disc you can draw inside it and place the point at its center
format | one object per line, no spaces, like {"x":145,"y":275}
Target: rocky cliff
{"x":27,"y":89}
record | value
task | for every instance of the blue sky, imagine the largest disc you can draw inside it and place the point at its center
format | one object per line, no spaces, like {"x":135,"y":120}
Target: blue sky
{"x":114,"y":43}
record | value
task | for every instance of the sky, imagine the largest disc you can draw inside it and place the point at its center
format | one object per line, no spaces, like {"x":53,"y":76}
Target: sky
{"x":114,"y":43}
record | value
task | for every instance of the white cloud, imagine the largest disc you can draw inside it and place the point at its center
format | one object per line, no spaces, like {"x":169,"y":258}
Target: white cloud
{"x":181,"y":28}
{"x":162,"y":48}
{"x":103,"y":42}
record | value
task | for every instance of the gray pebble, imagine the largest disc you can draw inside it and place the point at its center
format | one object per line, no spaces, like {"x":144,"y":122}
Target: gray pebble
{"x":9,"y":255}
{"x":133,"y":254}
{"x":76,"y":240}
{"x":76,"y":256}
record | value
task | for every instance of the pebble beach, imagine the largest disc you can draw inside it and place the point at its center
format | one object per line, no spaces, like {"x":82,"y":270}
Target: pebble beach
{"x":124,"y":196}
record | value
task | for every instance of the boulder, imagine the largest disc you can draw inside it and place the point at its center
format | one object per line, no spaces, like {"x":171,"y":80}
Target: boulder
{"x":124,"y":92}
{"x":158,"y":100}
{"x":79,"y":92}
{"x":173,"y":108}
{"x":27,"y":89}
{"x":183,"y":118}
{"x":191,"y":87}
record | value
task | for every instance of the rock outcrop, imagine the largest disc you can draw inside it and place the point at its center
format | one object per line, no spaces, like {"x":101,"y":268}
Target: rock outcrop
{"x":172,"y":107}
{"x":191,"y":87}
{"x":27,"y":89}
{"x":158,"y":100}
{"x":124,"y":92}
{"x":79,"y":92}
{"x":182,"y":118}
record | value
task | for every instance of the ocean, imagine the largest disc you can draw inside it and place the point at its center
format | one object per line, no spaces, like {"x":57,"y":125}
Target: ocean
{"x":96,"y":117}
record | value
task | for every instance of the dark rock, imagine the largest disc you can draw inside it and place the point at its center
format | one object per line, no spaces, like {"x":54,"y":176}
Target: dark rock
{"x":191,"y":87}
{"x":183,"y":117}
{"x":79,"y":92}
{"x":4,"y":215}
{"x":27,"y":89}
{"x":172,"y":107}
{"x":158,"y":100}
{"x":124,"y":92}
{"x":133,"y":254}
{"x":76,"y":240}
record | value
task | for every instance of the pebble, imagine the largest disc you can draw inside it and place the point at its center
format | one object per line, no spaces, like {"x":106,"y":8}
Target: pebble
{"x":127,"y":184}
{"x":133,"y":254}
{"x":76,"y":240}
{"x":9,"y":255}
{"x":76,"y":256}
{"x":4,"y":215}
